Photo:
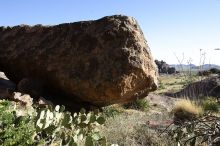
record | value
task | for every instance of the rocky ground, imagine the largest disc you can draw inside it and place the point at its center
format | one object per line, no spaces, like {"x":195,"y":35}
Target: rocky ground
{"x":136,"y":127}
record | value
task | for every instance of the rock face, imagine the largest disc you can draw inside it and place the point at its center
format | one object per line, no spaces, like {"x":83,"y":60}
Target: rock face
{"x":100,"y":62}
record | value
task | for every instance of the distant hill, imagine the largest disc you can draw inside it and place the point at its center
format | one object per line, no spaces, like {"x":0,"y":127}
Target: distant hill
{"x":194,"y":67}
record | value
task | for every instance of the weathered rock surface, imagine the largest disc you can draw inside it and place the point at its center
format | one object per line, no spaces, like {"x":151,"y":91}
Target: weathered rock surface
{"x":100,"y":62}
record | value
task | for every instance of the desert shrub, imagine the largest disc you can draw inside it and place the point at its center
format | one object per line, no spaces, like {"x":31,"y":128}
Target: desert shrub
{"x":185,"y":110}
{"x":171,"y":70}
{"x":210,"y":104}
{"x":204,"y":130}
{"x":204,"y":73}
{"x":139,"y":104}
{"x":161,"y":86}
{"x":209,"y":72}
{"x":214,"y":71}
{"x":49,"y":126}
{"x":15,"y":130}
{"x":110,"y":112}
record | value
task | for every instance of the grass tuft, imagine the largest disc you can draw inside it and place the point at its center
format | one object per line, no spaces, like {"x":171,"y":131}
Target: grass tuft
{"x":139,"y":104}
{"x":210,"y":105}
{"x":186,"y":110}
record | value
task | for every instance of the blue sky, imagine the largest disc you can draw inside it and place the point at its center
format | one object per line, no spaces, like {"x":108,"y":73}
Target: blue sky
{"x":170,"y":26}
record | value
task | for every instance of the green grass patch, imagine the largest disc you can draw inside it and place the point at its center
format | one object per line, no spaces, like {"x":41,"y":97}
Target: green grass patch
{"x":139,"y":104}
{"x":210,"y":104}
{"x":110,"y":111}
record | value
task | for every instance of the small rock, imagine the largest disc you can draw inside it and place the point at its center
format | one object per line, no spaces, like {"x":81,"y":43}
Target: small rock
{"x":23,"y":98}
{"x":43,"y":102}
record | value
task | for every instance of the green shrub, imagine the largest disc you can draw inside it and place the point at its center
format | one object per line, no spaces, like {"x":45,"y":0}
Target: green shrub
{"x":161,"y":86}
{"x":15,"y":130}
{"x":139,"y":104}
{"x":204,"y":130}
{"x":214,"y":71}
{"x":210,"y":105}
{"x":110,"y":111}
{"x":49,"y":126}
{"x":204,"y":73}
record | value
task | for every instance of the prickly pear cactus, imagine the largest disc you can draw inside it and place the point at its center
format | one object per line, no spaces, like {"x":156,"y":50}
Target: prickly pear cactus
{"x":66,"y":129}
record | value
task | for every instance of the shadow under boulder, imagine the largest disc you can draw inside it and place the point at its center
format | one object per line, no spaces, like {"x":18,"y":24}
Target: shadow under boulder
{"x":31,"y":92}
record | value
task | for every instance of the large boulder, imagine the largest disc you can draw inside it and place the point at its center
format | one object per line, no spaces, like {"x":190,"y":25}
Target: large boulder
{"x":100,"y":62}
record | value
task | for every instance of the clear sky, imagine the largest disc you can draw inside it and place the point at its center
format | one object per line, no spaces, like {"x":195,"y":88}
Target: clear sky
{"x":170,"y":26}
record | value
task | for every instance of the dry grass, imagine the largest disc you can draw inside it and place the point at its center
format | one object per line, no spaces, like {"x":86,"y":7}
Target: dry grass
{"x":187,"y":106}
{"x":185,"y":109}
{"x":131,"y":128}
{"x":170,"y":83}
{"x":174,"y":83}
